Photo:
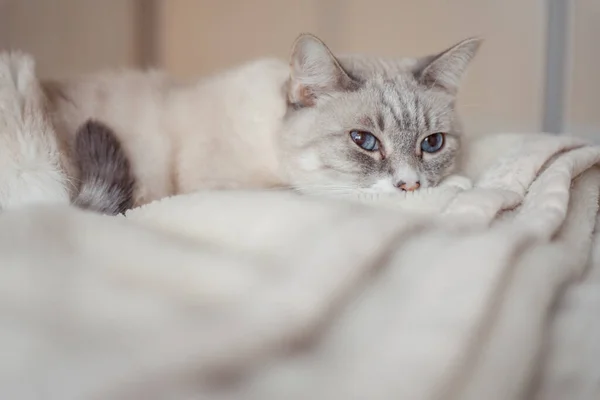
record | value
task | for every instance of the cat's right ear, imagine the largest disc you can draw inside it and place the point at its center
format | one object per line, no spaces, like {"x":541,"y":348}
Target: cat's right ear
{"x":314,"y":72}
{"x":446,"y":69}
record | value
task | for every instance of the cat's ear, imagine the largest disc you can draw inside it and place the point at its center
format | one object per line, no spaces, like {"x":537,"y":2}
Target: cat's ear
{"x":314,"y":72}
{"x":446,"y":69}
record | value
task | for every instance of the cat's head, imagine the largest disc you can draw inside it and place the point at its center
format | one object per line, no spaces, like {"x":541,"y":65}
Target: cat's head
{"x":372,"y":125}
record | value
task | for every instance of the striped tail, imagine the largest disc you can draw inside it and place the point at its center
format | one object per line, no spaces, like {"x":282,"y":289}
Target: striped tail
{"x":106,"y":178}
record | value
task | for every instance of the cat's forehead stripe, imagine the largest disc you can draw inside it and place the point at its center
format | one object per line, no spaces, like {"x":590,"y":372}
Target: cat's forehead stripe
{"x":407,"y":114}
{"x":380,"y":121}
{"x":421,"y":113}
{"x":405,"y":107}
{"x":390,"y":108}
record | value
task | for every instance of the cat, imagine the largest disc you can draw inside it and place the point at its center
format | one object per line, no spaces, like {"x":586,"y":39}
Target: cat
{"x":320,"y":124}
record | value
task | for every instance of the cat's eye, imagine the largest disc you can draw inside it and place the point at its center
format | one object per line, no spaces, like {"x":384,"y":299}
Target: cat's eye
{"x":433,"y":143}
{"x":365,"y":140}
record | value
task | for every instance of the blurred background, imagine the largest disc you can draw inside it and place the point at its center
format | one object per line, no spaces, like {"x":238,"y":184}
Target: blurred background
{"x":538,"y":68}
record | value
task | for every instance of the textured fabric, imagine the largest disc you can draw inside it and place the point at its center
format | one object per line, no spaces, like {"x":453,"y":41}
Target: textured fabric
{"x":450,"y":293}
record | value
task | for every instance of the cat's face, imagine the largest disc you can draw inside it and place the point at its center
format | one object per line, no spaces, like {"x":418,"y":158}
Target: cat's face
{"x":368,"y":125}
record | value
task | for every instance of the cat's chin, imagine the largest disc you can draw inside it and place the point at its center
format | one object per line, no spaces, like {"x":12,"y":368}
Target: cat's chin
{"x":381,"y":186}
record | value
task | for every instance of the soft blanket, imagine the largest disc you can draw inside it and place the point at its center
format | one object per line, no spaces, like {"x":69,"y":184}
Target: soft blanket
{"x":482,"y":291}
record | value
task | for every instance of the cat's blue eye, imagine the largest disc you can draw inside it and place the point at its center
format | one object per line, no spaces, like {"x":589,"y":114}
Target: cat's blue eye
{"x":433,"y":143}
{"x":365,"y":140}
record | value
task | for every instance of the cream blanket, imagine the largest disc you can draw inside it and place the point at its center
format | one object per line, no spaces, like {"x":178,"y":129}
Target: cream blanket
{"x":489,"y":292}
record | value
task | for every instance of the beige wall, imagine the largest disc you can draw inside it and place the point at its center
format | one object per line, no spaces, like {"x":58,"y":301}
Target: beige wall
{"x":71,"y":36}
{"x":504,"y":87}
{"x":583,"y":93}
{"x":203,"y":36}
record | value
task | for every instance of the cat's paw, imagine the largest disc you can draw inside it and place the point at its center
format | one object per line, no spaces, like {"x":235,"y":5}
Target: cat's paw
{"x":459,"y":181}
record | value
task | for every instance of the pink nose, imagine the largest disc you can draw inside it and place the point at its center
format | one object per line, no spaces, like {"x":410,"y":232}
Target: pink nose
{"x":408,"y":187}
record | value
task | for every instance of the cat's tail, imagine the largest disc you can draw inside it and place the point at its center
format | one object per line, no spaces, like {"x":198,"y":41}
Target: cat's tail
{"x":107,"y":182}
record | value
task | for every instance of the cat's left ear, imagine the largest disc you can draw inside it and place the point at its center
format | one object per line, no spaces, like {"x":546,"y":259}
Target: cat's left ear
{"x":446,"y":69}
{"x":314,"y":72}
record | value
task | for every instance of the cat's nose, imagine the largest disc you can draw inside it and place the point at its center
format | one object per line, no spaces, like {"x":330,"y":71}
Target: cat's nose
{"x":408,"y":187}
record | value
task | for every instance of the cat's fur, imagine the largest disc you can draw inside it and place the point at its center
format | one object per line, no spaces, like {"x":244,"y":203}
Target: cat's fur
{"x":270,"y":124}
{"x":33,"y":169}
